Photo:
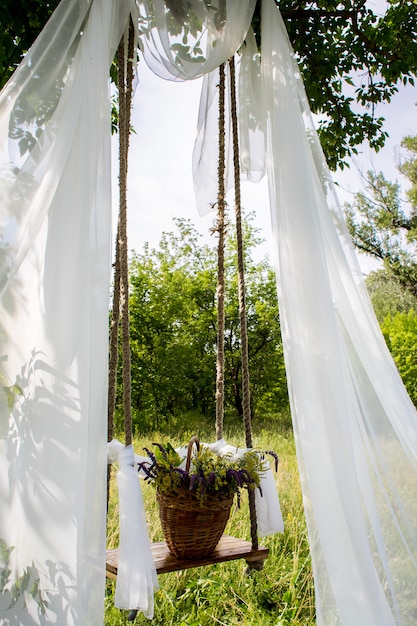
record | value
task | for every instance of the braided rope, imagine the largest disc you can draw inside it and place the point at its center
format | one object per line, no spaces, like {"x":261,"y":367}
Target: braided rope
{"x":120,"y":312}
{"x":116,"y":305}
{"x":125,"y":88}
{"x":220,"y":259}
{"x":241,"y":269}
{"x":242,"y":299}
{"x":113,"y":348}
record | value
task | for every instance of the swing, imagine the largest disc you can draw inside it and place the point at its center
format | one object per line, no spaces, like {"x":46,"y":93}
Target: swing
{"x":229,"y":548}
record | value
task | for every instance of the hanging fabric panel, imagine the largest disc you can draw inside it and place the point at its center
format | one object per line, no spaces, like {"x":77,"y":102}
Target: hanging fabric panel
{"x":54,"y":268}
{"x":186,"y":40}
{"x":251,"y":120}
{"x":183,"y":39}
{"x":136,"y":574}
{"x":355,"y":426}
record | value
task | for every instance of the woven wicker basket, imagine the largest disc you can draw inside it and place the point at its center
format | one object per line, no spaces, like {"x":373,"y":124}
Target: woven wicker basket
{"x":193,"y":529}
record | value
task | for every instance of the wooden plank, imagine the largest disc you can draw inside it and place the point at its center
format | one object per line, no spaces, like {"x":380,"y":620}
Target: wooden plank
{"x":228,"y":549}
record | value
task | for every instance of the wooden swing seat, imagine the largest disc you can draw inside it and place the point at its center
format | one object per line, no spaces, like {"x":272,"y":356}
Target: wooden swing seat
{"x":228,"y":549}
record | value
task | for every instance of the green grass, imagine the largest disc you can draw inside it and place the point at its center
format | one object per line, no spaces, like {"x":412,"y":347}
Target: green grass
{"x":282,"y":593}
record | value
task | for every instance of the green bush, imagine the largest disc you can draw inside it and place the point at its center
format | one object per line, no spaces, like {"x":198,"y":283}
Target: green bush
{"x":400,"y":332}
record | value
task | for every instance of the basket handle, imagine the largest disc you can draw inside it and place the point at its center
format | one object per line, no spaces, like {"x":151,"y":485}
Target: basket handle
{"x":193,"y":440}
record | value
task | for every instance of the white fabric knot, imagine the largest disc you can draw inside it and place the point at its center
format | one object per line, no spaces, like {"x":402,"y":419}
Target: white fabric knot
{"x":114,"y":448}
{"x":126,"y":456}
{"x":120,"y":454}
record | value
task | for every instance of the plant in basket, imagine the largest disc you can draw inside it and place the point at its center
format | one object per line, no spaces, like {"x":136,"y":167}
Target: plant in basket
{"x":195,"y":494}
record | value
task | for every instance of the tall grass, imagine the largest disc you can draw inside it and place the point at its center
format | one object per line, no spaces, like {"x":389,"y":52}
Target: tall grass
{"x":282,"y":593}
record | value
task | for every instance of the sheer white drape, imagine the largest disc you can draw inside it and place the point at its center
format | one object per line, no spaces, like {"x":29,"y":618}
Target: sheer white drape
{"x":136,"y":574}
{"x":175,"y":50}
{"x":186,"y":39}
{"x":54,"y":268}
{"x":251,"y":121}
{"x":355,"y":426}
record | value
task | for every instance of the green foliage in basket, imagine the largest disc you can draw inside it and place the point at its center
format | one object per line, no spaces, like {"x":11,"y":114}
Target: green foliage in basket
{"x":208,"y":473}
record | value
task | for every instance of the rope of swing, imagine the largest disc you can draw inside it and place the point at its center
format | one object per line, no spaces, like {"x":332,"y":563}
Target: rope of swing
{"x":120,"y":309}
{"x":221,"y":228}
{"x":241,"y":294}
{"x":122,"y":234}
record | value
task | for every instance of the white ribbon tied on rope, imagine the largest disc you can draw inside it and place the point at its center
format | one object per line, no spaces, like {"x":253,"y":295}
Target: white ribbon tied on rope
{"x":136,"y":574}
{"x":268,"y":510}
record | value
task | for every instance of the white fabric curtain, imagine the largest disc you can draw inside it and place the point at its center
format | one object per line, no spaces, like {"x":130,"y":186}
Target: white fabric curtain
{"x":186,"y":39}
{"x":54,"y":268}
{"x":355,"y":426}
{"x":175,"y":49}
{"x":251,"y":123}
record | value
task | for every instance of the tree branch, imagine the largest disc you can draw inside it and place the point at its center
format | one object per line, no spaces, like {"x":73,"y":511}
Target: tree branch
{"x":306,"y":14}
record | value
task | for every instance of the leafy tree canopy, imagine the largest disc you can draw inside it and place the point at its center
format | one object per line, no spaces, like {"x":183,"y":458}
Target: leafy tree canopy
{"x":400,"y":332}
{"x":383,"y":221}
{"x":20,"y":23}
{"x":388,"y":296}
{"x":173,"y":330}
{"x":351,"y":59}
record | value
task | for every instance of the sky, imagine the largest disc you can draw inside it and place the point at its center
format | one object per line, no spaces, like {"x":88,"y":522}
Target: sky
{"x":160,"y":184}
